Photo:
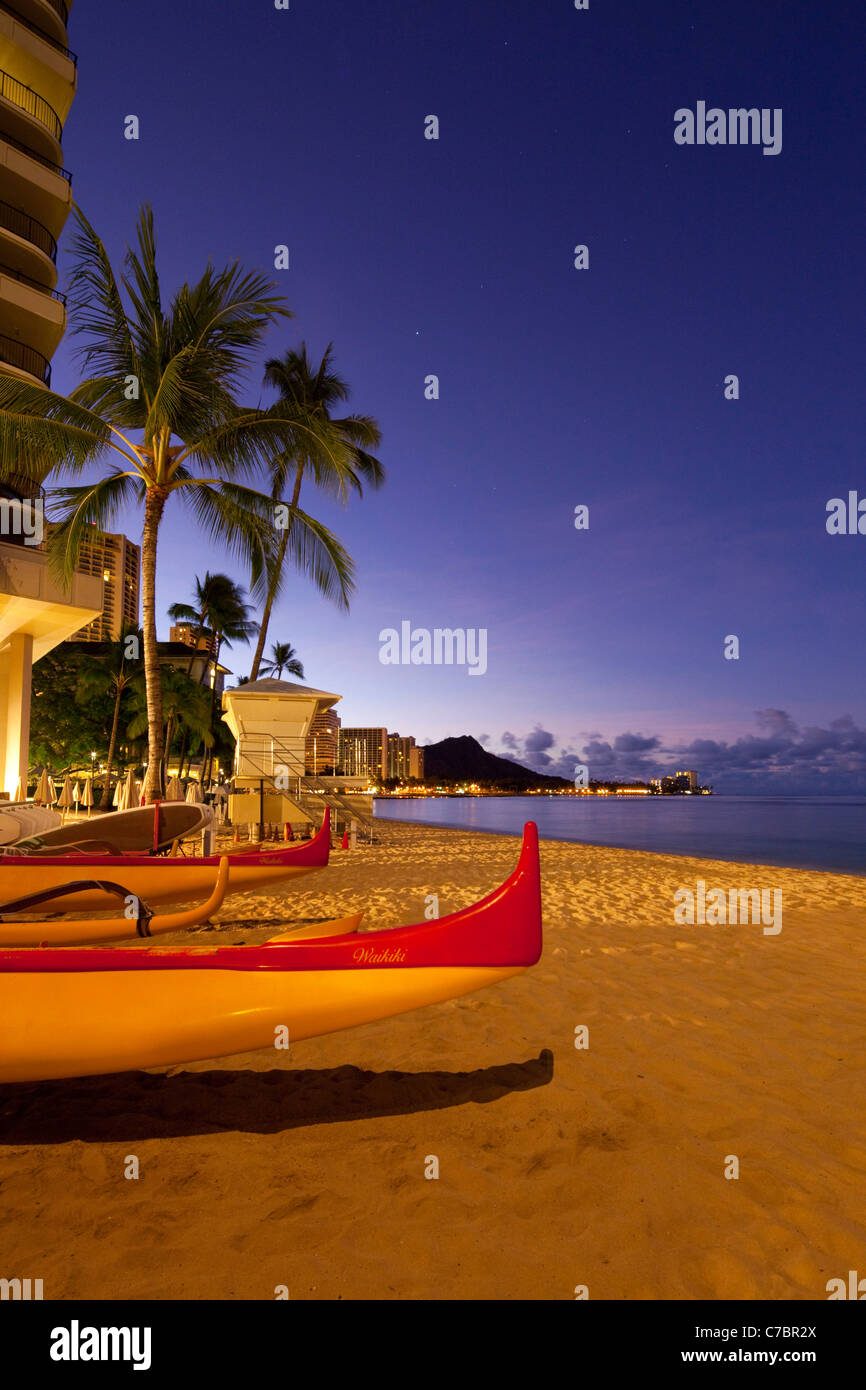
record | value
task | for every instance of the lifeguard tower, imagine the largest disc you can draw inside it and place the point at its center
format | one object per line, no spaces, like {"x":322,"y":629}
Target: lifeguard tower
{"x":271,"y":721}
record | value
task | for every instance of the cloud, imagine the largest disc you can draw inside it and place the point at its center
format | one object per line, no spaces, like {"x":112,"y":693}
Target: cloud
{"x":483,"y":739}
{"x":539,"y":740}
{"x":776,"y":721}
{"x":780,"y":757}
{"x":635,"y":743}
{"x":786,"y":758}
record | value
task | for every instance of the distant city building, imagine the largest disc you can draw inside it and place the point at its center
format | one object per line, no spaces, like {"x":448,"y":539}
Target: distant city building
{"x":191,"y":636}
{"x":322,"y":749}
{"x":679,"y":782}
{"x":116,"y":561}
{"x":364,"y":753}
{"x":400,"y":756}
{"x":416,"y":763}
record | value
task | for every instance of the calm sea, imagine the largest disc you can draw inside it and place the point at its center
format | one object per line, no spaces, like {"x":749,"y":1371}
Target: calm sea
{"x":820,"y":832}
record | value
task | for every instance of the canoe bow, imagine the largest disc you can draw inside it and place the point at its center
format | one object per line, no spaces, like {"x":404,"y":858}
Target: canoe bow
{"x":79,"y":1012}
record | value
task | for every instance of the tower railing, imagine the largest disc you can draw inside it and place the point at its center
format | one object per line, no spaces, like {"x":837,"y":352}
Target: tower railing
{"x":267,"y":759}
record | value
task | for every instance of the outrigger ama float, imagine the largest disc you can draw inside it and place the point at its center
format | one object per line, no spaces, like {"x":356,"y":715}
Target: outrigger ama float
{"x":83,"y":1011}
{"x":150,"y":878}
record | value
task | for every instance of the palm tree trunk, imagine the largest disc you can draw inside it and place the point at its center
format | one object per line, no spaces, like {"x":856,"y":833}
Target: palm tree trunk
{"x":153,"y":509}
{"x":182,"y":754}
{"x":209,"y":753}
{"x":105,"y":803}
{"x":269,"y":603}
{"x":272,"y":587}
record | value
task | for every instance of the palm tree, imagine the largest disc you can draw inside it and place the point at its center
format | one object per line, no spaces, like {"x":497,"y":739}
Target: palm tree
{"x":232,"y":623}
{"x":166,"y":373}
{"x":111,"y":673}
{"x":221,"y":610}
{"x":184,"y":701}
{"x":218,"y":604}
{"x":283,"y":658}
{"x":332,"y":451}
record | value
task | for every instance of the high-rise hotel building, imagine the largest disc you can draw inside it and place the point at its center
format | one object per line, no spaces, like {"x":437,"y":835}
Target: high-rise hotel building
{"x":364,"y":753}
{"x":37,"y":85}
{"x":322,"y":748}
{"x":116,"y":561}
{"x":404,"y":759}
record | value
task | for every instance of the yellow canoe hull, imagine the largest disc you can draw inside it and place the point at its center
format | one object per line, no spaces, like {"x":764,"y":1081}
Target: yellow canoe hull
{"x":156,"y":883}
{"x":153,"y":879}
{"x":82,"y":1011}
{"x":85,"y":1024}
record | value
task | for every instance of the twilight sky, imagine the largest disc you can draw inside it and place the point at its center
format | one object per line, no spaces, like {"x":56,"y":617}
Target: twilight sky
{"x":558,"y":387}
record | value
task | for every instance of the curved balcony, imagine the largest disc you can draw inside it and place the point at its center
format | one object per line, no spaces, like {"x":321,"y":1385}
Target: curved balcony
{"x":14,"y":13}
{"x":21,"y":224}
{"x":33,"y":284}
{"x":34,"y":154}
{"x":25,"y":359}
{"x":30,"y":181}
{"x":23,"y":98}
{"x":32,"y":313}
{"x":50,"y":15}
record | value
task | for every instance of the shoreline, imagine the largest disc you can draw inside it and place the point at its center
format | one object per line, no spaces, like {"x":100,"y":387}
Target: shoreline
{"x":627,"y":849}
{"x":605,"y":844}
{"x":601,"y":1165}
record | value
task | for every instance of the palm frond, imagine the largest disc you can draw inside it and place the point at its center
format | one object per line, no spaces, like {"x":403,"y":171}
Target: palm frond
{"x":41,"y":430}
{"x":82,"y":508}
{"x":96,"y":309}
{"x":237,"y":517}
{"x":318,"y":554}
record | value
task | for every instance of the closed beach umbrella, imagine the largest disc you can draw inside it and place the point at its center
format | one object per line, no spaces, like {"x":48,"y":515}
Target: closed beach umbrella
{"x":67,"y":800}
{"x":52,"y":789}
{"x":21,"y":790}
{"x":174,"y":790}
{"x":130,"y":791}
{"x":193,"y":794}
{"x":117,"y":800}
{"x":87,"y":799}
{"x":43,"y":791}
{"x":76,"y":793}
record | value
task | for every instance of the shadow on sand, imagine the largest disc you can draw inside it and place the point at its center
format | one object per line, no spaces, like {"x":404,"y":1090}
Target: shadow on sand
{"x":141,"y":1105}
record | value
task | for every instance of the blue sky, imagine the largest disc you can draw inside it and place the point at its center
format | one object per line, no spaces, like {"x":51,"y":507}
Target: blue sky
{"x":558,"y":387}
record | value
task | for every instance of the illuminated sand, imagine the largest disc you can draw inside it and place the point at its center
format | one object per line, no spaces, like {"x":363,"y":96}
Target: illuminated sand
{"x":601,"y":1167}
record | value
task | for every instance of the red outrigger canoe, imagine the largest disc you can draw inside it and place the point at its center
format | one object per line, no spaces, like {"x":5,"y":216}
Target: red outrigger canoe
{"x":81,"y":1011}
{"x":150,"y":878}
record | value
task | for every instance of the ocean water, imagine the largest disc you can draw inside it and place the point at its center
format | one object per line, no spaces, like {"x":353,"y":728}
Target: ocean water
{"x":801,"y":832}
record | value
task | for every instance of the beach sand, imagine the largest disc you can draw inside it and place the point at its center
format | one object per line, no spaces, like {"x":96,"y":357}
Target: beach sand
{"x":559,"y":1167}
